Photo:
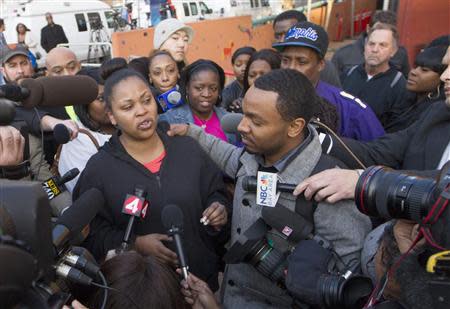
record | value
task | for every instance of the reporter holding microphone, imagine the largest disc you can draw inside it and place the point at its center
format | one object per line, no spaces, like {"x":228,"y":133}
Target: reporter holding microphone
{"x":172,"y":170}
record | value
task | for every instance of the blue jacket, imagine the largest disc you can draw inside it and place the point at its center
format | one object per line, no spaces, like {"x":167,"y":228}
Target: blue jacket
{"x":183,"y":114}
{"x":356,"y":119}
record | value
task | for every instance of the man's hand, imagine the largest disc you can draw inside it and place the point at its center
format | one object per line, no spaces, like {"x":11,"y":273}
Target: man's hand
{"x":178,"y":129}
{"x":48,"y":123}
{"x":75,"y":305}
{"x":405,"y":232}
{"x":197,"y":293}
{"x":151,"y":244}
{"x":12,"y":144}
{"x":330,"y":185}
{"x":215,"y":215}
{"x":236,"y":106}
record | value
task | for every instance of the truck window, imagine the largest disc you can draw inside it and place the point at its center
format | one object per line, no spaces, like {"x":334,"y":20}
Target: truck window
{"x":265,"y":3}
{"x":254,"y":3}
{"x":204,"y":9}
{"x":94,"y":21}
{"x":194,"y":9}
{"x":109,"y":15}
{"x":81,"y":22}
{"x":186,"y":9}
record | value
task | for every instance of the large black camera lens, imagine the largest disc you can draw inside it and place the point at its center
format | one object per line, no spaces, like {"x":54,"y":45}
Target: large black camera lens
{"x":268,"y":261}
{"x":337,"y":292}
{"x":382,"y":192}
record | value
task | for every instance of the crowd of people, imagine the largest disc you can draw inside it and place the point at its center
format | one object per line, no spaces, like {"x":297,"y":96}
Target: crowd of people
{"x":156,"y":123}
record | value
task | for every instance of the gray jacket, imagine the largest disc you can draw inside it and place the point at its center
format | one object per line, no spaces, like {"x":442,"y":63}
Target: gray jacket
{"x":342,"y":224}
{"x":183,"y":114}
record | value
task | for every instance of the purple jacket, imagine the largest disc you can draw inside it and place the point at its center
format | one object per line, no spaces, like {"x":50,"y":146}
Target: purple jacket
{"x":356,"y":119}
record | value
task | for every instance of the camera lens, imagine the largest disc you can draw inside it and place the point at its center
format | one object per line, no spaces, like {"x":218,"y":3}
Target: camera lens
{"x":268,"y":261}
{"x":382,"y":192}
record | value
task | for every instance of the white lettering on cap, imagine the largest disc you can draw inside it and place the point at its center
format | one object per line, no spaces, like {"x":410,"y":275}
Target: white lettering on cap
{"x":297,"y":33}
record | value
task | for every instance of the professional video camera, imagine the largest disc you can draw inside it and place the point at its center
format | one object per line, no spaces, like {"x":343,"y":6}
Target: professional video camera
{"x":38,"y":260}
{"x":324,"y":280}
{"x":384,"y":193}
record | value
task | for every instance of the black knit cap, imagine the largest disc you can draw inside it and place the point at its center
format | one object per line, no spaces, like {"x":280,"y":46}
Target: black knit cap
{"x":431,"y":57}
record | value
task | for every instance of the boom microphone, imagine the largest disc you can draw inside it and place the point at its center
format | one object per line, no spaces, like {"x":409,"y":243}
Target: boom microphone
{"x":14,"y":92}
{"x":76,"y":218}
{"x":59,"y":91}
{"x":172,"y":220}
{"x":230,"y":122}
{"x":249,"y":183}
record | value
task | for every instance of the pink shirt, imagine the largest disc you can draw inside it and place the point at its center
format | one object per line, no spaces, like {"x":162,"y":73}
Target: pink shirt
{"x":211,"y":126}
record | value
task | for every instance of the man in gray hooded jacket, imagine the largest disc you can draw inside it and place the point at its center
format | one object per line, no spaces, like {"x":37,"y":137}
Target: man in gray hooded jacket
{"x":277,"y":139}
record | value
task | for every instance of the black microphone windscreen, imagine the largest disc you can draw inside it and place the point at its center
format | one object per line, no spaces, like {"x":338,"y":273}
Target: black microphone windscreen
{"x":13,"y":92}
{"x":230,"y":122}
{"x":69,"y":176}
{"x":60,"y":90}
{"x":172,"y":216}
{"x":61,"y":134}
{"x":249,"y":183}
{"x":287,"y":222}
{"x":82,"y":211}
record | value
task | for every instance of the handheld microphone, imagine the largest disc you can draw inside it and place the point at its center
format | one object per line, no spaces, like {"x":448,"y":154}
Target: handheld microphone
{"x":172,"y":220}
{"x":249,"y":183}
{"x":170,"y":99}
{"x":288,"y":223}
{"x":75,"y":219}
{"x":230,"y":122}
{"x":14,"y":92}
{"x":59,"y":91}
{"x":134,"y":206}
{"x":57,"y":193}
{"x":62,"y":134}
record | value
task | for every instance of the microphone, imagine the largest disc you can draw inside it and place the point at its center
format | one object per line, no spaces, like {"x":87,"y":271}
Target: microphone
{"x":59,"y":91}
{"x":289,"y":223}
{"x":75,"y":219}
{"x":174,"y":97}
{"x":57,"y":192}
{"x":230,"y":122}
{"x":249,"y":183}
{"x":14,"y":92}
{"x":134,"y":206}
{"x":61,"y":134}
{"x":172,"y":220}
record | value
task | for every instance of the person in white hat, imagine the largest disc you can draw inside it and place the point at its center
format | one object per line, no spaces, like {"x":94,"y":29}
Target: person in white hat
{"x":174,"y":36}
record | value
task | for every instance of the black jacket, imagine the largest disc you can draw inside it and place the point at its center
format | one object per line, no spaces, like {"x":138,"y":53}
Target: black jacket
{"x":188,"y":178}
{"x":353,"y":54}
{"x":419,"y":147}
{"x":384,"y":92}
{"x":52,"y":36}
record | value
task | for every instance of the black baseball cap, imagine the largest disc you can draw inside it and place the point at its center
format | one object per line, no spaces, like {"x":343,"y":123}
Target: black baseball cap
{"x":305,"y":34}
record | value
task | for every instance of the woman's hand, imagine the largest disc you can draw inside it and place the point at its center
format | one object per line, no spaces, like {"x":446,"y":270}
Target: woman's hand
{"x":151,"y":244}
{"x":215,"y":215}
{"x":178,"y":129}
{"x":236,"y":106}
{"x":197,"y":293}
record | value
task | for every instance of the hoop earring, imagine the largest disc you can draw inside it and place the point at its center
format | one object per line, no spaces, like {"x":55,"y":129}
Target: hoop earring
{"x":438,"y":93}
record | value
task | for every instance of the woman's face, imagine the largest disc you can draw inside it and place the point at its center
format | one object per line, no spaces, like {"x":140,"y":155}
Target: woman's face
{"x":97,"y":109}
{"x":133,"y":109}
{"x":177,"y":45}
{"x":21,"y":29}
{"x":257,"y":68}
{"x":163,"y":73}
{"x":239,"y":66}
{"x":203,"y":91}
{"x":422,"y":80}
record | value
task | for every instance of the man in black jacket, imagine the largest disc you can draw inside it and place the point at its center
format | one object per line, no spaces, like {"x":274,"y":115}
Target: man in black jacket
{"x":52,"y":34}
{"x":353,"y":54}
{"x":425,"y":145}
{"x":377,"y":81}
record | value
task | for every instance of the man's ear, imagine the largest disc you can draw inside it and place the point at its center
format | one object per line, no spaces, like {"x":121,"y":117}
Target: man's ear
{"x":296,"y":127}
{"x":321,"y":64}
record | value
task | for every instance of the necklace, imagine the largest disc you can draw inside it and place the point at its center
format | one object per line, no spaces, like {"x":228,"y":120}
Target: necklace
{"x":203,"y":122}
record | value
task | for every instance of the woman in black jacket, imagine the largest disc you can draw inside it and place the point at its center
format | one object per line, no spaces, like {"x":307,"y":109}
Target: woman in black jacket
{"x":172,"y":170}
